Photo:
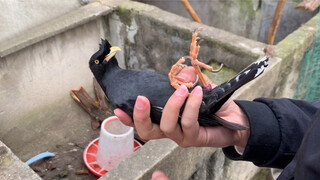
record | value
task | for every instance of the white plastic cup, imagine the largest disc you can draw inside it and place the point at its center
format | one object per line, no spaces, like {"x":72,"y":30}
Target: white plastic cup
{"x":116,"y":142}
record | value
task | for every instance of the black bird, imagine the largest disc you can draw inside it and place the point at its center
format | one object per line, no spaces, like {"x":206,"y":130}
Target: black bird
{"x":122,"y":87}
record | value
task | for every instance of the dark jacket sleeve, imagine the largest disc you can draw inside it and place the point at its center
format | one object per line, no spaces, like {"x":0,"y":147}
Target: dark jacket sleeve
{"x":277,"y":127}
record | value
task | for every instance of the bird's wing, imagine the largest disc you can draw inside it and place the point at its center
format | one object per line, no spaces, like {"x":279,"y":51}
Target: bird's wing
{"x":212,"y":120}
{"x":216,"y":97}
{"x":156,"y":113}
{"x":127,"y":107}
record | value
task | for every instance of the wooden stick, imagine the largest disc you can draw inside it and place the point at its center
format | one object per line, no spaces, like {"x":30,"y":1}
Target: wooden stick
{"x":191,"y":11}
{"x":98,"y":109}
{"x":276,"y":21}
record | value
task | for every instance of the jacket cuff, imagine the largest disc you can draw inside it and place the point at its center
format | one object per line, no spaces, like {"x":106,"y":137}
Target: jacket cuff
{"x":264,"y":139}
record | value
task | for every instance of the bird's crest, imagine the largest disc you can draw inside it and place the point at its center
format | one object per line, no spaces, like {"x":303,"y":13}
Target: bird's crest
{"x":104,"y":45}
{"x":104,"y":49}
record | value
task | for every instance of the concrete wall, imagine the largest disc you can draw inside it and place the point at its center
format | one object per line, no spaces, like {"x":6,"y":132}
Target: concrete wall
{"x":40,"y":67}
{"x":248,"y":18}
{"x":156,"y":31}
{"x":38,"y":70}
{"x":11,"y":166}
{"x":18,"y":16}
{"x":291,"y":19}
{"x":35,"y":90}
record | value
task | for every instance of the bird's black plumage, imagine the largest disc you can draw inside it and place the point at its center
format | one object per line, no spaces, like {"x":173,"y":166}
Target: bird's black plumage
{"x":122,"y":87}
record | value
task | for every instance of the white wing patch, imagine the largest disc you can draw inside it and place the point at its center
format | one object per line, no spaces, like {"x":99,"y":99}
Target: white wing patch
{"x":259,"y":71}
{"x":237,"y":78}
{"x":247,"y":71}
{"x":262,"y":60}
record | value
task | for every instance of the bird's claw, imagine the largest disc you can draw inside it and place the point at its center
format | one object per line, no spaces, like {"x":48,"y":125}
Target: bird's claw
{"x":177,"y":81}
{"x":193,"y":54}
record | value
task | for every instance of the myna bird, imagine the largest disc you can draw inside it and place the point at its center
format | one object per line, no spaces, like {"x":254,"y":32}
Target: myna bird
{"x":122,"y":87}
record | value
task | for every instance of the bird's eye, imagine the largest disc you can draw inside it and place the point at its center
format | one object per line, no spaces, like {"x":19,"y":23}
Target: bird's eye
{"x":96,"y":61}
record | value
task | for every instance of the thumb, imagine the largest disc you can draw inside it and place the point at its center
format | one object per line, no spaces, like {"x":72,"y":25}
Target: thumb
{"x":187,"y":74}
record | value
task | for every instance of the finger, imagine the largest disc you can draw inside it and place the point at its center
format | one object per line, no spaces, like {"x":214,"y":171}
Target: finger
{"x":189,"y":120}
{"x":169,"y":120}
{"x":141,"y":115}
{"x":124,"y":117}
{"x":158,"y":175}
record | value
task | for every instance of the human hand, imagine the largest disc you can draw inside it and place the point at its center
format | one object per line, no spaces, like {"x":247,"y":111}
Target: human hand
{"x":189,"y":133}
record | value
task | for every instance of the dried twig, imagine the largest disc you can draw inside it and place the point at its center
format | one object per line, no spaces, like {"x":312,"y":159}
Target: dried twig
{"x":276,"y":21}
{"x":191,"y":11}
{"x":98,"y":109}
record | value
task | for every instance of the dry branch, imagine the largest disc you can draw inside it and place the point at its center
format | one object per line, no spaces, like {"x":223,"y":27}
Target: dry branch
{"x":275,"y":21}
{"x":191,"y":11}
{"x":98,"y":109}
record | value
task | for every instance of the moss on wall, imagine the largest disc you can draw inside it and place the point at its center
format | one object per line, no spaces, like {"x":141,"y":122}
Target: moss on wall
{"x":224,"y":75}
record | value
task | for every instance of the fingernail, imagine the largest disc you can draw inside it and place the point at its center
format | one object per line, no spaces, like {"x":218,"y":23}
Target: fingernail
{"x":197,"y":91}
{"x":140,"y":104}
{"x":116,"y":111}
{"x":181,"y":91}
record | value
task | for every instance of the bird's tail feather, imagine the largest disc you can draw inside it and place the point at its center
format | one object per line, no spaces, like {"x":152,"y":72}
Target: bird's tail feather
{"x":215,"y":120}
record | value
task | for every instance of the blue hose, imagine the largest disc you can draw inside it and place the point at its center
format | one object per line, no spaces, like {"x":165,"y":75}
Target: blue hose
{"x":40,"y":156}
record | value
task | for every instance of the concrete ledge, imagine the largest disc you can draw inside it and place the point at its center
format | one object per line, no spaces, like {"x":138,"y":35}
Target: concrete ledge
{"x":12,"y":168}
{"x":165,"y":155}
{"x":292,"y":50}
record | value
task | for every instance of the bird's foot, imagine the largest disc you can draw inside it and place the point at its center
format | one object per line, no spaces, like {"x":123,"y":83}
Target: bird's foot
{"x":177,"y":81}
{"x":193,"y":54}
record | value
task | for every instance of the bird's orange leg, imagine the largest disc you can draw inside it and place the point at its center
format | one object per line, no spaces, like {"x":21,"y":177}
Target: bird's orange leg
{"x":194,"y":51}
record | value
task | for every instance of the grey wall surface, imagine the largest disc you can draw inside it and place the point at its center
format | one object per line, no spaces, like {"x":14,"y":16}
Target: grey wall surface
{"x":17,"y":16}
{"x":248,"y":18}
{"x":291,"y":19}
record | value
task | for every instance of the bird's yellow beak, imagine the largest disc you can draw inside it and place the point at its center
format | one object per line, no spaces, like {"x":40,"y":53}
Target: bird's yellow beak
{"x":113,"y":52}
